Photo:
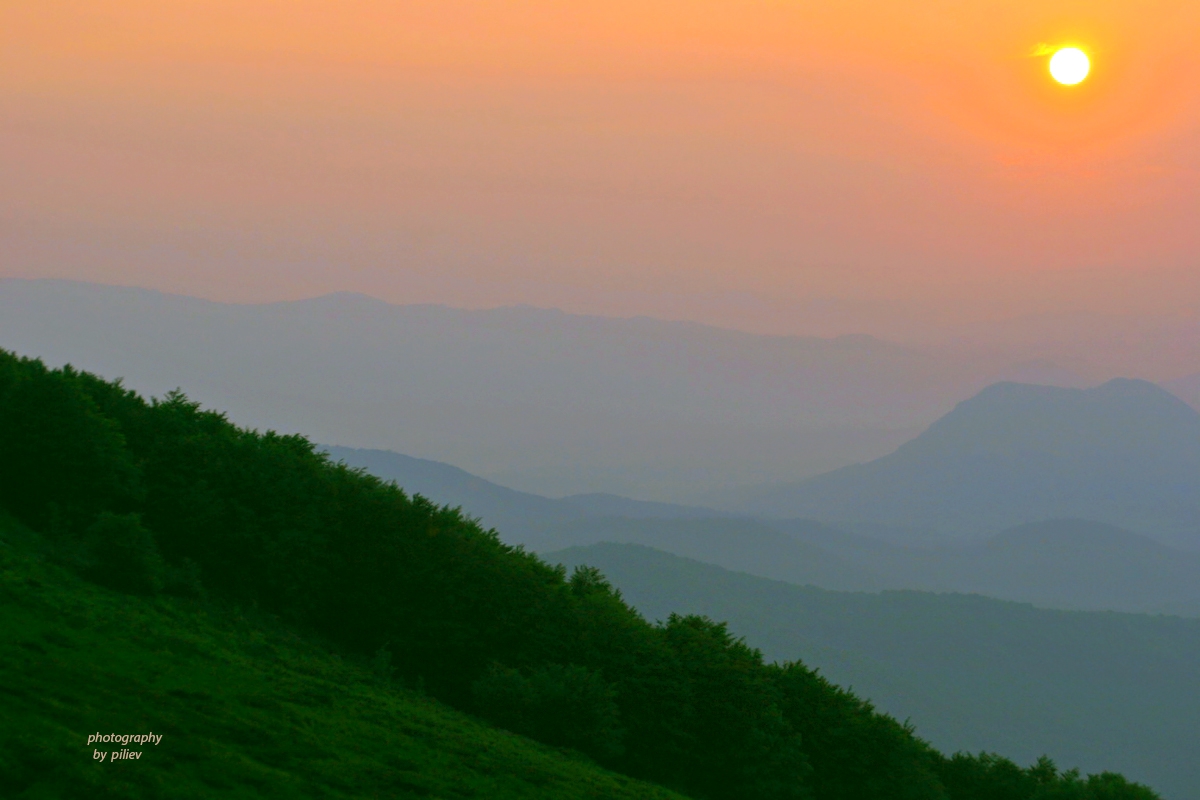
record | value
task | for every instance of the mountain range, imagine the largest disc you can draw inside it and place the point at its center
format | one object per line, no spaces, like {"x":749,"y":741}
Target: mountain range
{"x":1111,"y":474}
{"x":537,"y":399}
{"x":1064,"y":563}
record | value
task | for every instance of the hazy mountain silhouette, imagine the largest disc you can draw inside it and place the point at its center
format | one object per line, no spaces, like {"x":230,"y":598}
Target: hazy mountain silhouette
{"x":970,"y":672}
{"x":536,"y":399}
{"x":1187,"y":389}
{"x":1068,"y":564}
{"x":543,"y":523}
{"x":1126,"y":453}
{"x":1071,"y":564}
{"x":1082,"y":564}
{"x":518,"y":515}
{"x":745,"y":545}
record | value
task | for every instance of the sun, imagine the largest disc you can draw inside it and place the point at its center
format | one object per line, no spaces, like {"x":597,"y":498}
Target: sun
{"x":1070,"y":66}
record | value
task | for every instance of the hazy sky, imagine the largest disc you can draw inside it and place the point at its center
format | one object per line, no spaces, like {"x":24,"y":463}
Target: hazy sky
{"x":777,"y":166}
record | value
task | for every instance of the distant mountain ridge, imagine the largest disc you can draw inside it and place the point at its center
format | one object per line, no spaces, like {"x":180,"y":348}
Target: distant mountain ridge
{"x":1068,"y":563}
{"x":1186,"y":389}
{"x":1064,"y":564}
{"x":517,"y":514}
{"x":537,"y":399}
{"x":1126,"y":453}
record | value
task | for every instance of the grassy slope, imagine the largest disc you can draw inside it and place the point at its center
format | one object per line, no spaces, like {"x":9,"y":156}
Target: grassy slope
{"x":245,"y":711}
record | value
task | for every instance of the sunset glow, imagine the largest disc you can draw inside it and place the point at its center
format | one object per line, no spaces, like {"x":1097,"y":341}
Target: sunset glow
{"x":1070,"y":66}
{"x":740,"y":163}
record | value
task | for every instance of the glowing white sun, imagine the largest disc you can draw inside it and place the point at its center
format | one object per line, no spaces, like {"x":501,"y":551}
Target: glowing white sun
{"x":1070,"y":66}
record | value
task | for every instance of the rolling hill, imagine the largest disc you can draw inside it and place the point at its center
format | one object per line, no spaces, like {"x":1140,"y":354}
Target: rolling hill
{"x":1084,"y":687}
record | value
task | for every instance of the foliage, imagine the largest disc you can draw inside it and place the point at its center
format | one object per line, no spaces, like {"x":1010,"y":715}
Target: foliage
{"x":856,"y":753}
{"x":992,"y":777}
{"x":124,"y":555}
{"x":269,"y":523}
{"x":566,"y":706}
{"x":63,"y":460}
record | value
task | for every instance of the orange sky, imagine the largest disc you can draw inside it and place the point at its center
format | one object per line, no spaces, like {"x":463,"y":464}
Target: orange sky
{"x":782,"y":166}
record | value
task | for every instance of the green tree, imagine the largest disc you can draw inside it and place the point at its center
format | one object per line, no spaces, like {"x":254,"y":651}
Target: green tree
{"x":61,"y":460}
{"x":743,"y":747}
{"x":856,"y":753}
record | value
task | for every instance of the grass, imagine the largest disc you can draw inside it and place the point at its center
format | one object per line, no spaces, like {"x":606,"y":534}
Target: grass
{"x":245,"y":708}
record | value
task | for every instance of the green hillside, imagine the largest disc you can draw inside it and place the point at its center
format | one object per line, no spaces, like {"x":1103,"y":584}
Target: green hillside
{"x":157,"y":498}
{"x":1091,"y":689}
{"x":245,"y":709}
